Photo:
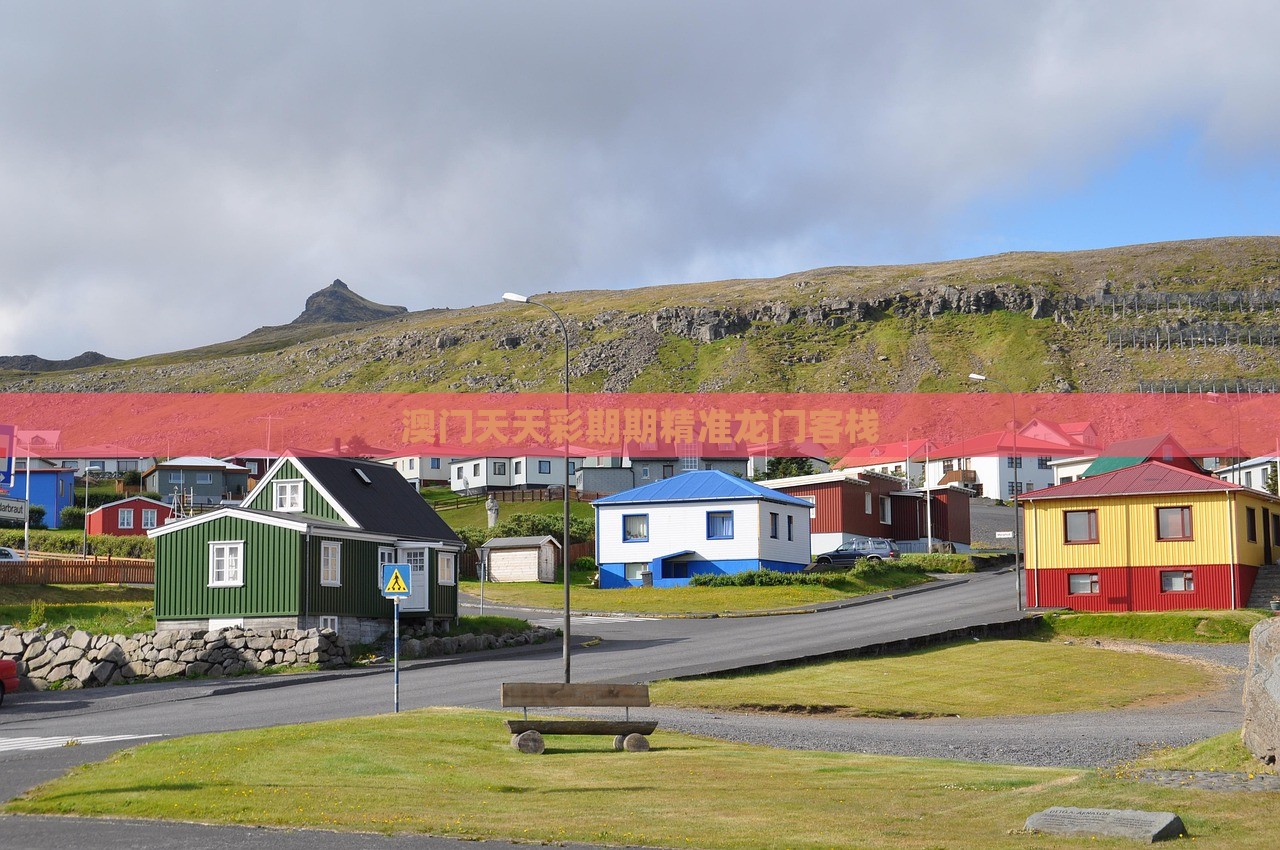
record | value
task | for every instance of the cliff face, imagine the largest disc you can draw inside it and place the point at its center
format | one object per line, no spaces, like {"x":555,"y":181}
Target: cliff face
{"x":337,"y":303}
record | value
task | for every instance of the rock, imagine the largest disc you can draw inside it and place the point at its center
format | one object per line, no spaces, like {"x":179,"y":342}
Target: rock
{"x":1261,"y":730}
{"x":103,"y":672}
{"x":80,"y":640}
{"x":529,"y":742}
{"x":166,"y":668}
{"x":634,"y":743}
{"x":12,"y":644}
{"x":34,"y":649}
{"x":82,"y":669}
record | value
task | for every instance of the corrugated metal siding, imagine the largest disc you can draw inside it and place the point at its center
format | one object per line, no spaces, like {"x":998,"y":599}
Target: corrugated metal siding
{"x":1137,"y":589}
{"x":907,"y":513}
{"x":359,"y":595}
{"x":270,"y":572}
{"x":444,"y":598}
{"x":951,"y":517}
{"x":829,"y":502}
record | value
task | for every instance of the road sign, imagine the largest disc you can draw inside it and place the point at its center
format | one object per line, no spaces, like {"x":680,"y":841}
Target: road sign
{"x":1004,"y":535}
{"x":13,"y":509}
{"x":396,"y":579}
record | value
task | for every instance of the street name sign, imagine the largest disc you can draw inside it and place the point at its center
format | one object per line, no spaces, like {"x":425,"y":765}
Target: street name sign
{"x":13,"y":509}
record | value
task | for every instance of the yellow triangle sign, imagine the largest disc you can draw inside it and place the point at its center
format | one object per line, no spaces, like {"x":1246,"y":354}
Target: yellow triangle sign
{"x":396,"y":584}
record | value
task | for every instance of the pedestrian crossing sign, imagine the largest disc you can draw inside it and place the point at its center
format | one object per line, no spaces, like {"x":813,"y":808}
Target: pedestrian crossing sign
{"x":395,"y":580}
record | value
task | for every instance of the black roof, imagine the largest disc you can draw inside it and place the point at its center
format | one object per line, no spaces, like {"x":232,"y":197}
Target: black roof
{"x":378,"y":497}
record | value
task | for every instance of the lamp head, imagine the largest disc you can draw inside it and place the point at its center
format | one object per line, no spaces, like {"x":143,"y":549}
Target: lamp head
{"x":974,"y":376}
{"x":512,"y":296}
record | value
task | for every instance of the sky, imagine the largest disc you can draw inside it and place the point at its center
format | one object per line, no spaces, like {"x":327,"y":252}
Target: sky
{"x":179,"y":173}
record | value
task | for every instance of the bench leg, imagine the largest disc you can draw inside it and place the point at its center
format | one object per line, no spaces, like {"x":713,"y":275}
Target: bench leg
{"x":531,"y":742}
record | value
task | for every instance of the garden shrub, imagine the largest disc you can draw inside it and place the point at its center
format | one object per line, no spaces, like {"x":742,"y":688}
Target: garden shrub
{"x":72,"y":516}
{"x":937,"y":562}
{"x":762,"y":578}
{"x":585,"y":564}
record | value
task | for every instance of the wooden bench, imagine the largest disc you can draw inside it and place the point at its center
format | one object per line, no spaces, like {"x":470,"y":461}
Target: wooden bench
{"x":526,"y":734}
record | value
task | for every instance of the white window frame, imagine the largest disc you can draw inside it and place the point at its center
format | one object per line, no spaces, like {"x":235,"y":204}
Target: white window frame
{"x":204,"y":477}
{"x":632,"y":570}
{"x":1083,"y":584}
{"x":230,"y":553}
{"x":150,"y":517}
{"x":286,"y":495}
{"x":446,"y":568}
{"x":867,"y":499}
{"x":124,"y":518}
{"x":886,"y":511}
{"x":330,"y":563}
{"x":329,"y":621}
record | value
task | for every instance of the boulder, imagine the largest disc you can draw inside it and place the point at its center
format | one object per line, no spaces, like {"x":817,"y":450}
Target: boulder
{"x":12,"y":644}
{"x":166,"y":668}
{"x":1261,"y":732}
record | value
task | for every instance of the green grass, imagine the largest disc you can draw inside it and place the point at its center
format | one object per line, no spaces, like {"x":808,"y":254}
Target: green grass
{"x":474,"y":516}
{"x":686,"y":600}
{"x":1224,"y":752}
{"x":973,"y":679}
{"x":490,"y":625}
{"x":98,"y":608}
{"x":452,"y":772}
{"x":1159,"y":627}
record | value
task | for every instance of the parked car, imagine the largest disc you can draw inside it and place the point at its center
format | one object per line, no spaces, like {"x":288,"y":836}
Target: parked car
{"x":8,"y":556}
{"x":859,"y":548}
{"x":8,"y":678}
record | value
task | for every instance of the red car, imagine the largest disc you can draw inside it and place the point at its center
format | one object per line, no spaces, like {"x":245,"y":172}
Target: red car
{"x":8,"y":678}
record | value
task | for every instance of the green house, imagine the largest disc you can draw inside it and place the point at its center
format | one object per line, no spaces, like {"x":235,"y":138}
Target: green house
{"x":305,"y":550}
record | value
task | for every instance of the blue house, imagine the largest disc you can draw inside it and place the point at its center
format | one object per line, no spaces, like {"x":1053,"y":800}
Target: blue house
{"x":698,"y":522}
{"x":53,"y":488}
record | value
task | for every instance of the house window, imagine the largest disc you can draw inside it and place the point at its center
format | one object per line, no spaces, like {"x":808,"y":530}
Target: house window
{"x":499,"y":467}
{"x":773,"y":525}
{"x":330,"y":564}
{"x":435,"y":463}
{"x":1080,"y":526}
{"x":458,"y":473}
{"x":1248,"y":479}
{"x":1173,"y":523}
{"x":148,"y":517}
{"x":1082,"y":583}
{"x":644,"y":473}
{"x":287,"y":495}
{"x":175,"y":477}
{"x":124,"y":518}
{"x":204,"y":477}
{"x":386,"y":555}
{"x":573,"y":466}
{"x":328,"y":622}
{"x":719,"y":525}
{"x":544,"y":467}
{"x":635,"y":528}
{"x":1013,"y":462}
{"x":517,"y":467}
{"x":948,"y":466}
{"x":867,"y":501}
{"x":886,"y":512}
{"x":791,"y":527}
{"x":225,"y":563}
{"x":127,"y":465}
{"x":1016,"y":489}
{"x":475,"y":470}
{"x":446,"y":568}
{"x":1043,"y":462}
{"x":1250,"y":524}
{"x":668,"y":470}
{"x":1175,"y":581}
{"x":633,"y":571}
{"x":409,"y":464}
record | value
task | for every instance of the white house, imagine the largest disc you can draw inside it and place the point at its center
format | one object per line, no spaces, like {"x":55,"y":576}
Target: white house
{"x":521,"y":558}
{"x":1249,"y":473}
{"x":422,"y":470}
{"x":698,"y":522}
{"x":481,"y":474}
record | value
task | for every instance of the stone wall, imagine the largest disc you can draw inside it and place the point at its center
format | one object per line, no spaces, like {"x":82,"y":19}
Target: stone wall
{"x":77,"y":659}
{"x":1261,"y":731}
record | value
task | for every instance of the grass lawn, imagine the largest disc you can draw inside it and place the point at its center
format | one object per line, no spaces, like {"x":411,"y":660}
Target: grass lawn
{"x":1221,"y":752}
{"x":683,"y":600}
{"x":1161,"y":626}
{"x":973,"y":679}
{"x":474,"y":515}
{"x":98,"y":608}
{"x":452,"y":772}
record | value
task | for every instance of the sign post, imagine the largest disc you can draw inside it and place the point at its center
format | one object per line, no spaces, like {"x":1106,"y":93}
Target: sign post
{"x":396,"y":579}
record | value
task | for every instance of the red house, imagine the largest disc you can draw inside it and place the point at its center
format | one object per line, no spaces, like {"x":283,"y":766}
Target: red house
{"x":133,"y":516}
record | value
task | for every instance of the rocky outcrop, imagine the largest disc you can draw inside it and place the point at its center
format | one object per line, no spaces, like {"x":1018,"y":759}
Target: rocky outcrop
{"x":1261,"y":733}
{"x":337,"y":303}
{"x":76,"y":659}
{"x":32,"y":363}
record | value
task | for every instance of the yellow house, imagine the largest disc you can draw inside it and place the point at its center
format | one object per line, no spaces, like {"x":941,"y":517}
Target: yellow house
{"x":1150,"y":537}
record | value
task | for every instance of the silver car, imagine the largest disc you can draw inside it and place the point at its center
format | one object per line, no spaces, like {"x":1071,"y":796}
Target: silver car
{"x":8,"y":556}
{"x":859,"y":548}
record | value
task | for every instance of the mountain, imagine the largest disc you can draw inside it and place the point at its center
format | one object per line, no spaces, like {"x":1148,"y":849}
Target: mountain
{"x":1202,"y":313}
{"x":32,"y":363}
{"x":337,"y":303}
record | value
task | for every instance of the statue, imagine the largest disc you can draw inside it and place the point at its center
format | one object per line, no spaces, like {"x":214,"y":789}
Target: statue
{"x":491,"y":508}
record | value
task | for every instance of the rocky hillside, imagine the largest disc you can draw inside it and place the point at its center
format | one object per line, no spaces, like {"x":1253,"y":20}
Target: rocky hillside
{"x":32,"y":363}
{"x":1203,"y":312}
{"x":337,"y":303}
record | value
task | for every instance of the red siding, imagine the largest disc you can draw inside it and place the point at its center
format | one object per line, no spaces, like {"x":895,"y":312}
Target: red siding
{"x":106,"y":519}
{"x":1138,"y":588}
{"x":829,"y":501}
{"x":951,"y":516}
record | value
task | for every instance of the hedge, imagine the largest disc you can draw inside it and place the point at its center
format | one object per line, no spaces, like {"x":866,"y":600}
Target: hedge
{"x":99,"y":544}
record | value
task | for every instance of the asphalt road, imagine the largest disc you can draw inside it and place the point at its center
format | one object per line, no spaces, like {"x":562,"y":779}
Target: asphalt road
{"x":629,"y":649}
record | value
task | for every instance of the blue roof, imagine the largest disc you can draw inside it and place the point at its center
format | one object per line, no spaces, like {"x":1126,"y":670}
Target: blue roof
{"x":701,"y":486}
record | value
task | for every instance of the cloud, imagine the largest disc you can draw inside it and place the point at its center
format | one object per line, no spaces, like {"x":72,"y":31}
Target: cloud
{"x":180,"y":173}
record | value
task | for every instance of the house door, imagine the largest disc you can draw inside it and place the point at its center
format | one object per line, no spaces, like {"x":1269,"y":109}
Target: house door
{"x":419,"y":597}
{"x":1266,"y":537}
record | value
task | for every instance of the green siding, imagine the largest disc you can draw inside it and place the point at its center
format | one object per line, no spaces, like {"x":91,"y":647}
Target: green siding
{"x":313,"y":504}
{"x":359,"y":594}
{"x":444,"y":598}
{"x":270,"y":571}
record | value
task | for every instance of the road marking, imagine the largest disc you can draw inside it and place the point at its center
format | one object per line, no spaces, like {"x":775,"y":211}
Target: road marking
{"x":25,"y":744}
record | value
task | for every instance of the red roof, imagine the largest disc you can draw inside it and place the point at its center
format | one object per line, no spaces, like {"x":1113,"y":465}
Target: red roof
{"x":1144,"y":479}
{"x":884,"y":453}
{"x":1001,"y":443}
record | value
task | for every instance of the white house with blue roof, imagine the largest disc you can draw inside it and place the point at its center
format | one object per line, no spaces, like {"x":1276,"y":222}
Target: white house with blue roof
{"x":698,"y":522}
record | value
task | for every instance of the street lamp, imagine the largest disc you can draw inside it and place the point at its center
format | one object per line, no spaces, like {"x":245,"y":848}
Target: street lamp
{"x":1017,"y":462}
{"x":87,"y":470}
{"x":564,"y":551}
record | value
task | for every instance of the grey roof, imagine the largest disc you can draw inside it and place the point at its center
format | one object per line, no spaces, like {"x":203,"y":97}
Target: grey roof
{"x":387,"y":504}
{"x":518,"y":542}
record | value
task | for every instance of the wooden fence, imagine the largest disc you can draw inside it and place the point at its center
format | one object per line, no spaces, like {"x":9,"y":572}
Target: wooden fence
{"x":104,"y":570}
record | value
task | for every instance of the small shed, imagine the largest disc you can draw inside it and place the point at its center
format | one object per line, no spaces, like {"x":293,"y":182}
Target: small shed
{"x":522,"y":558}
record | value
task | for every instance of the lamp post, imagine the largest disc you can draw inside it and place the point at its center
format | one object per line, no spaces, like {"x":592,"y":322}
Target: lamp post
{"x":564,"y":551}
{"x":1017,"y":462}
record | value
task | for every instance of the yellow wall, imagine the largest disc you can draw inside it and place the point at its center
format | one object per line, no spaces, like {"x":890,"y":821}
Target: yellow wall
{"x":1127,"y":531}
